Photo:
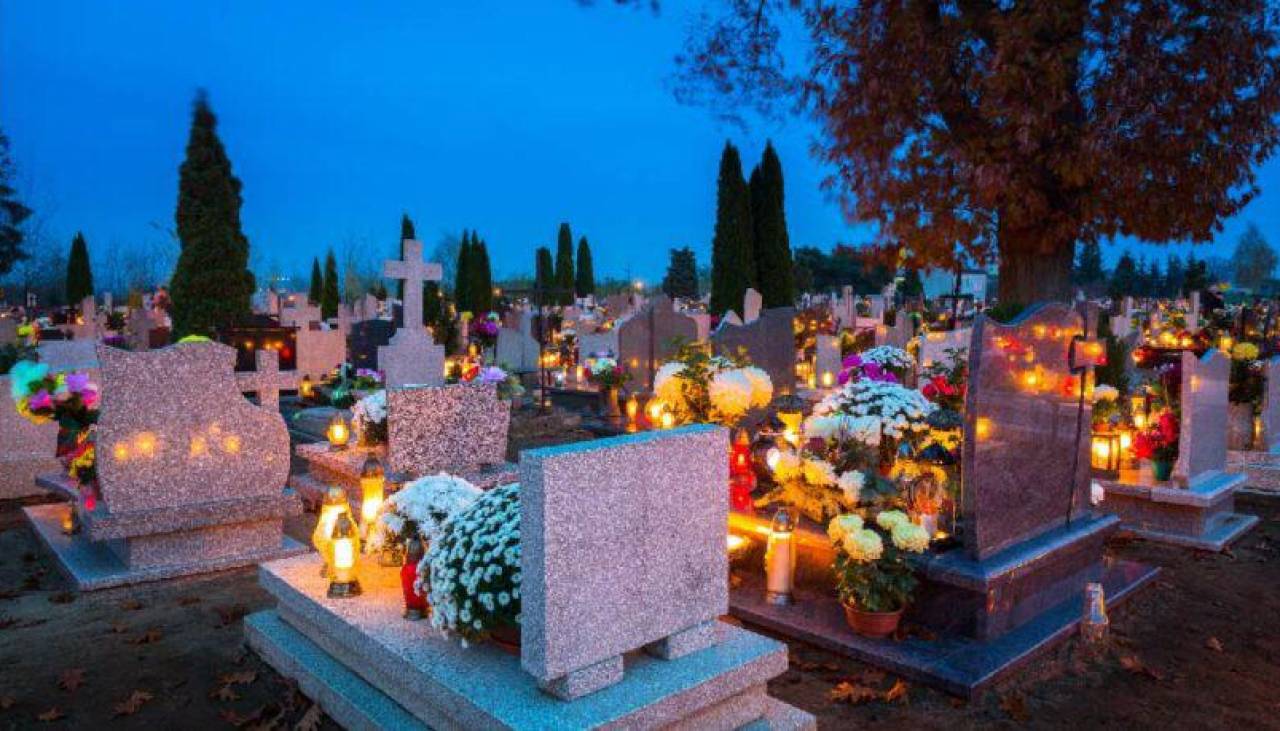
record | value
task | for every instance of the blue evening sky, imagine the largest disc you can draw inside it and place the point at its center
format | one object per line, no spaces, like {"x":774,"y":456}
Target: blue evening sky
{"x":506,"y":117}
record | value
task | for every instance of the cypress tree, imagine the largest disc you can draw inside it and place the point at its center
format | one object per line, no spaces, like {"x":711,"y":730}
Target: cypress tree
{"x":212,"y":284}
{"x":434,"y":310}
{"x":1124,"y":279}
{"x":463,"y":276}
{"x":564,"y":266}
{"x":544,"y":274}
{"x":482,"y":278}
{"x":732,"y":266}
{"x":585,"y":279}
{"x":406,"y":232}
{"x":772,"y":246}
{"x":330,"y":297}
{"x":682,"y":274}
{"x":317,"y":283}
{"x":79,"y":273}
{"x":12,"y":213}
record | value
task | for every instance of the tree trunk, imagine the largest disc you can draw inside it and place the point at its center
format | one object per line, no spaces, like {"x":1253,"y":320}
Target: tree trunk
{"x":1032,"y":270}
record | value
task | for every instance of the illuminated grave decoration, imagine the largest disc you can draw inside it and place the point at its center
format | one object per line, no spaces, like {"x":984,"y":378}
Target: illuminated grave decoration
{"x":1197,"y":507}
{"x":1011,"y":583}
{"x":191,"y":475}
{"x":583,"y":608}
{"x":412,"y":356}
{"x":258,"y":334}
{"x":1262,"y":463}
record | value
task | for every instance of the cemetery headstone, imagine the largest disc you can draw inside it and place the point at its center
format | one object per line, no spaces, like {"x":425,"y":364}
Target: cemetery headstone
{"x":300,"y":316}
{"x":267,"y":381}
{"x":752,"y":302}
{"x":367,"y":337}
{"x":459,"y":428}
{"x":646,"y":340}
{"x":519,"y":351}
{"x":412,"y":357}
{"x":26,"y":449}
{"x":8,"y":331}
{"x":770,"y":344}
{"x":827,"y":360}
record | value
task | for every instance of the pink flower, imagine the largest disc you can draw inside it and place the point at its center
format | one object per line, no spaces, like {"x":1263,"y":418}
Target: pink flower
{"x":40,"y":401}
{"x":90,"y":398}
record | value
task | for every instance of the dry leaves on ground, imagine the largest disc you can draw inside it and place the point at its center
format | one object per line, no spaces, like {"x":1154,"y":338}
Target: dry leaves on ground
{"x":1213,"y":643}
{"x":148,"y":637}
{"x":853,"y":693}
{"x":133,"y":703}
{"x":53,"y":714}
{"x":1136,"y":666}
{"x":1016,"y":706}
{"x":71,"y":679}
{"x":897,"y":692}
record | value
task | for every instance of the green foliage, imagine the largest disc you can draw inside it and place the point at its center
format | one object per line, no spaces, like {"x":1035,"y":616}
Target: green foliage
{"x":564,"y":279}
{"x":864,"y":268}
{"x":1006,"y":311}
{"x":1088,"y":270}
{"x":585,"y":277}
{"x":11,"y":353}
{"x":79,"y":271}
{"x":1197,"y":277}
{"x":317,"y":283}
{"x":544,"y":274}
{"x":12,"y":213}
{"x":330,"y":297}
{"x":464,"y":275}
{"x":884,"y":585}
{"x":772,"y":246}
{"x":481,"y":277}
{"x":682,"y":274}
{"x":732,"y":250}
{"x":212,"y":284}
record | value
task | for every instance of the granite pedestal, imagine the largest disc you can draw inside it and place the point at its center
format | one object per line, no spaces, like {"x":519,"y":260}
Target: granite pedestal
{"x":989,"y":617}
{"x":369,"y":668}
{"x":140,"y":546}
{"x":1260,"y":468}
{"x":1201,"y":515}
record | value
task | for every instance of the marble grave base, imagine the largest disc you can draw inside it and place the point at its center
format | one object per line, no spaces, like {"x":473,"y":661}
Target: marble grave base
{"x":369,"y":668}
{"x":1201,"y":516}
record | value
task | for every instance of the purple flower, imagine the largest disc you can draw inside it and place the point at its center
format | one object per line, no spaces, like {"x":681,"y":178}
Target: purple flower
{"x":492,"y":374}
{"x":873,"y":372}
{"x":40,"y":401}
{"x":77,"y":382}
{"x":852,"y":360}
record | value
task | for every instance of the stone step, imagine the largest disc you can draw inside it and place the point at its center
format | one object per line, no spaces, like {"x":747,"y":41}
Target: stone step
{"x":444,"y":685}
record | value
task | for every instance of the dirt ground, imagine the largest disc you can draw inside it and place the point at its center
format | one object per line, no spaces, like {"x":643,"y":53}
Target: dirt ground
{"x":1200,"y":648}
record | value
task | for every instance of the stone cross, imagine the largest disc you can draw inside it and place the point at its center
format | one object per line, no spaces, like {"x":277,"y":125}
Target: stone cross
{"x":268,"y":380}
{"x":414,"y":272}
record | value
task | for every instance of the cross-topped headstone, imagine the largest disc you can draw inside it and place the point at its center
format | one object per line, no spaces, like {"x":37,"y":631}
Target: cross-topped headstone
{"x":268,"y":380}
{"x":414,"y":272}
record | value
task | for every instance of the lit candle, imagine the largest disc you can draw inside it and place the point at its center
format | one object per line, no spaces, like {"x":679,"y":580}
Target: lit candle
{"x":346,"y":546}
{"x":668,"y":420}
{"x":373,"y":481}
{"x":338,"y":432}
{"x":780,"y":558}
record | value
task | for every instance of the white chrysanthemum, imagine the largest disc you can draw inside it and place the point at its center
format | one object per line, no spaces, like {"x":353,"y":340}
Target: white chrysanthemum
{"x":842,"y":525}
{"x":761,"y":386}
{"x":850,"y":484}
{"x":863,"y":545}
{"x":371,"y":409}
{"x":1105,"y":393}
{"x":910,"y":537}
{"x":819,"y":472}
{"x":730,"y":393}
{"x":888,"y":519}
{"x":888,"y":356}
{"x":668,"y":384}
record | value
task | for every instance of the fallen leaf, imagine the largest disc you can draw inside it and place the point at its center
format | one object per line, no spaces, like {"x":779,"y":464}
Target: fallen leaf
{"x":53,"y":714}
{"x":310,"y":720}
{"x":852,"y":693}
{"x":133,"y":703}
{"x":6,"y":702}
{"x":1135,"y":666}
{"x":1016,"y":706}
{"x":897,"y":692}
{"x":71,"y":679}
{"x":242,"y":678}
{"x":148,"y":637}
{"x":1213,"y":644}
{"x":224,"y":693}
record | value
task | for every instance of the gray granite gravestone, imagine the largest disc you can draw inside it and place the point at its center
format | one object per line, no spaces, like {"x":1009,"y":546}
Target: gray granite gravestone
{"x":516,"y":350}
{"x":1261,"y":465}
{"x":1202,"y":448}
{"x":8,"y":331}
{"x":647,"y":339}
{"x":1271,"y":406}
{"x":769,"y":342}
{"x":412,"y":357}
{"x":191,"y":475}
{"x":827,"y":361}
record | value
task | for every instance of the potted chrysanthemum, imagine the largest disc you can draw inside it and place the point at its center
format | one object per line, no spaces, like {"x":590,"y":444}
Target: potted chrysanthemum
{"x":874,"y":578}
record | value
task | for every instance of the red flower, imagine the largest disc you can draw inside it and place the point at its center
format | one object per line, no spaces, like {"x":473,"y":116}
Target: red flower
{"x":1168,"y":428}
{"x":1142,"y":446}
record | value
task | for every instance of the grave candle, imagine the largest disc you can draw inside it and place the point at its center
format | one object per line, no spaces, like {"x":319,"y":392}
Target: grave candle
{"x":373,"y":482}
{"x":338,"y":432}
{"x":335,"y":504}
{"x":415,"y":605}
{"x":346,"y":546}
{"x":633,"y":408}
{"x":306,"y":389}
{"x":780,"y":558}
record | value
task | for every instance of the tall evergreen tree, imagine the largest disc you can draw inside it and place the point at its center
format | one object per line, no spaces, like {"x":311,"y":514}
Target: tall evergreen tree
{"x":1088,"y":272}
{"x":406,"y":232}
{"x":1253,"y":260}
{"x":772,"y":246}
{"x":1175,"y":273}
{"x":434,"y":310}
{"x":1124,"y":279}
{"x":682,"y":274}
{"x":732,"y":250}
{"x":585,"y":277}
{"x":12,"y":213}
{"x":463,"y":276}
{"x":564,"y":279}
{"x":79,"y":272}
{"x":212,"y":284}
{"x":544,"y":274}
{"x":1197,"y":276}
{"x":330,"y":295}
{"x":317,"y":283}
{"x":482,"y":277}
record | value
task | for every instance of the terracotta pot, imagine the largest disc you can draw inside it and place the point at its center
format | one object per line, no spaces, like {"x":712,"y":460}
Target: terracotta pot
{"x":1162,"y":470}
{"x":507,"y":639}
{"x":872,"y":624}
{"x":1240,"y":426}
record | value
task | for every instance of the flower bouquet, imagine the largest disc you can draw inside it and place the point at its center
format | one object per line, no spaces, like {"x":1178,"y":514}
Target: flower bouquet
{"x":1159,"y":444}
{"x":369,"y":419}
{"x":70,"y":400}
{"x":484,"y":331}
{"x":471,"y":574}
{"x":420,"y":508}
{"x":607,"y":373}
{"x":874,"y":577}
{"x":698,"y":387}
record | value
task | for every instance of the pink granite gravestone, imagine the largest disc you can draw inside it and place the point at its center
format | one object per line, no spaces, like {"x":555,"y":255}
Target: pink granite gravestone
{"x":646,"y":339}
{"x":1202,"y":444}
{"x":459,"y":428}
{"x":190,"y":474}
{"x":1026,"y":471}
{"x":268,"y":380}
{"x":769,"y":342}
{"x":661,"y":495}
{"x":412,"y":357}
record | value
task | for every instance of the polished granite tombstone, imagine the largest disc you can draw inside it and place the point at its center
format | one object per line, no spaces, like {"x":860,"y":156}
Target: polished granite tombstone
{"x":769,"y":342}
{"x":1196,"y":508}
{"x":1261,"y":465}
{"x":367,"y":667}
{"x":646,"y":338}
{"x":191,"y":475}
{"x":1014,"y":585}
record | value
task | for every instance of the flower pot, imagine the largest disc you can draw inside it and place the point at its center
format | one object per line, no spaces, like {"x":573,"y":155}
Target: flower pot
{"x":507,"y":639}
{"x":1162,"y":469}
{"x":872,"y":624}
{"x":1240,"y":426}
